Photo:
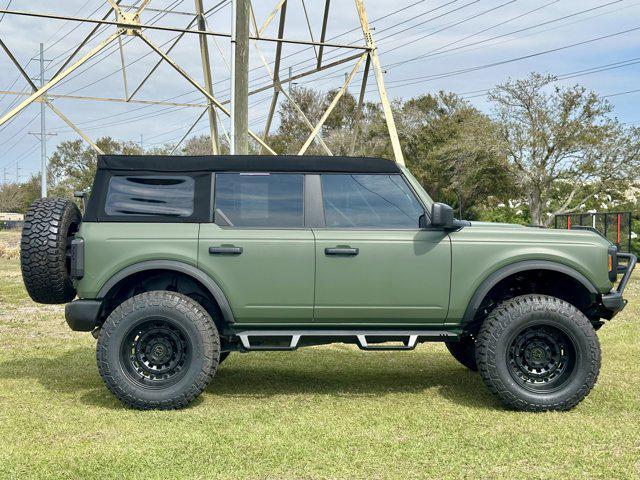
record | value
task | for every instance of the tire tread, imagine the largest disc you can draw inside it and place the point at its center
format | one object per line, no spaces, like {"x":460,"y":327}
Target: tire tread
{"x":508,"y":312}
{"x":43,"y":250}
{"x":186,"y":306}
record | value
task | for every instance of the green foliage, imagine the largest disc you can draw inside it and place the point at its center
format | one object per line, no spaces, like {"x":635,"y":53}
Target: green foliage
{"x":635,"y":242}
{"x":510,"y":212}
{"x":73,"y":165}
{"x":453,"y":149}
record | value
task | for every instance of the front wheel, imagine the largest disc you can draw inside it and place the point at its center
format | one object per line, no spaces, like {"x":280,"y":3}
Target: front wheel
{"x":538,"y":353}
{"x":158,"y":350}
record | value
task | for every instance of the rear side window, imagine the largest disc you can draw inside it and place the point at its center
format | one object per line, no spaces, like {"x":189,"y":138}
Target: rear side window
{"x":369,"y":201}
{"x":259,"y":200}
{"x":150,"y":195}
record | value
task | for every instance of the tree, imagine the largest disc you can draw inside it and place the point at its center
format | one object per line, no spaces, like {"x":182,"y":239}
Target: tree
{"x":12,"y":198}
{"x":201,"y":145}
{"x":17,"y":197}
{"x":452,"y":148}
{"x":73,"y":165}
{"x":293,"y":130}
{"x":563,"y":147}
{"x":455,"y":151}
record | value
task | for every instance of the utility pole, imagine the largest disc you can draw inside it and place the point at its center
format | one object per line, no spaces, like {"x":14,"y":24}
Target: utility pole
{"x":42,"y":134}
{"x":240,"y":77}
{"x":43,"y":131}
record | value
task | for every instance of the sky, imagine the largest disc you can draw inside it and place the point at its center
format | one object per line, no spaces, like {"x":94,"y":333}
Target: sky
{"x":461,"y":46}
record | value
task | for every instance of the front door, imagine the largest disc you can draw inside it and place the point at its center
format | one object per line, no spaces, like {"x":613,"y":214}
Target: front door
{"x":258,"y":249}
{"x":373,"y":262}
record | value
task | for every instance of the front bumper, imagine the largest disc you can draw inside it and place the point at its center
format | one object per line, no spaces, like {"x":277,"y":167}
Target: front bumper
{"x":613,"y":302}
{"x":83,"y":315}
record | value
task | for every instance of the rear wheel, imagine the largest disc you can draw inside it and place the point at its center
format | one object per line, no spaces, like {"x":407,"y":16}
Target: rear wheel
{"x":158,"y":350}
{"x":464,"y":352}
{"x":538,"y":353}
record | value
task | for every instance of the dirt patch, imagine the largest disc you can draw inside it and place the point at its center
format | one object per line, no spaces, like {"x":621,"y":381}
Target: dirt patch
{"x":10,"y":244}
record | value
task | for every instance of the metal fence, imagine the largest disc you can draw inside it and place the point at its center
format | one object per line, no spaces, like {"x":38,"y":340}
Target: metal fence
{"x":616,"y":226}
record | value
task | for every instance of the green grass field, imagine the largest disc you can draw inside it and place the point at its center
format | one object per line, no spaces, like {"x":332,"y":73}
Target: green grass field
{"x":325,"y":412}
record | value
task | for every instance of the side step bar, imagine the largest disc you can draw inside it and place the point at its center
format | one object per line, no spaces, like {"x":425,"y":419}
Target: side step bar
{"x":409,"y":338}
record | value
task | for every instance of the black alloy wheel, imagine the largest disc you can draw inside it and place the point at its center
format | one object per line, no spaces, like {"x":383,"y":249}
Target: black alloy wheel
{"x":541,"y":358}
{"x":155,"y":353}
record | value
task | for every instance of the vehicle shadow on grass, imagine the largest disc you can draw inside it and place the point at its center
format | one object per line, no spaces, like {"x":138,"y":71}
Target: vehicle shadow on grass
{"x":338,"y":373}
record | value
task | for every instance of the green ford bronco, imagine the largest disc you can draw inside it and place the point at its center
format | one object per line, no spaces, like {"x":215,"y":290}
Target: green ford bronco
{"x":179,"y":261}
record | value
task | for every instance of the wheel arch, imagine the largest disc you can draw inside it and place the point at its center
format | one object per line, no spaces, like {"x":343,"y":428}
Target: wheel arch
{"x":493,"y":279}
{"x":175,"y":266}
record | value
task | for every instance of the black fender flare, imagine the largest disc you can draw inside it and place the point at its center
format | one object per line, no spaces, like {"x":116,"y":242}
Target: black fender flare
{"x":503,"y":272}
{"x":176,"y":266}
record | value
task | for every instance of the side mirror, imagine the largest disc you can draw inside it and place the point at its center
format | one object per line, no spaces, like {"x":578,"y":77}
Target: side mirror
{"x":441,"y":215}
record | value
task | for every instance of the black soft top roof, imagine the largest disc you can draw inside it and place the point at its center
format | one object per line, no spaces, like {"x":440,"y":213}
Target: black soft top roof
{"x":246,"y":163}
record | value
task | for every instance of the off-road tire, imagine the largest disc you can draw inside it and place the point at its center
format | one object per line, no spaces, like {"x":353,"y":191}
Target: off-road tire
{"x":515,"y":316}
{"x":43,"y":250}
{"x":464,"y":352}
{"x":183,"y":312}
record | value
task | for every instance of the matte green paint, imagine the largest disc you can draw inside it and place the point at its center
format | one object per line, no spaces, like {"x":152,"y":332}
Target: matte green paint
{"x":400,"y":277}
{"x":272,"y":281}
{"x":110,"y":247}
{"x":483,"y":248}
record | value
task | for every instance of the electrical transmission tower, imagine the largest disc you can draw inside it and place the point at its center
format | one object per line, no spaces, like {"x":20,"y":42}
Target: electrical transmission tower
{"x":120,"y":22}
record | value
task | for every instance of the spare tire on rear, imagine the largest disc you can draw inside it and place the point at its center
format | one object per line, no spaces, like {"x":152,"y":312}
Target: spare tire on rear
{"x":48,"y":225}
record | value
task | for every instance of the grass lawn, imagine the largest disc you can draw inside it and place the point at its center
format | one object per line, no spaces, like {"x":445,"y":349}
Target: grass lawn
{"x":324,"y":412}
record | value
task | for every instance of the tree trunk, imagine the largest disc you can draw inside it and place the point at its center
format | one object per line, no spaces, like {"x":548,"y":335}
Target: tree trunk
{"x":535,"y":208}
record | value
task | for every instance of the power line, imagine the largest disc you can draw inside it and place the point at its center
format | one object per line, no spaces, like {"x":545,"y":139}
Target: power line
{"x":6,"y":8}
{"x":380,"y":39}
{"x":414,"y":80}
{"x":479,"y":32}
{"x":565,"y":76}
{"x":622,"y":93}
{"x":520,"y":30}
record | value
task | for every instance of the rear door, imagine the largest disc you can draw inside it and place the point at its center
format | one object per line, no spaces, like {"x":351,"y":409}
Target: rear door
{"x":258,"y":249}
{"x":373,"y":262}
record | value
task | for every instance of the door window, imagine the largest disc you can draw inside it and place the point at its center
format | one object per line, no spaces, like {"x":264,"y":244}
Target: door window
{"x":259,"y":200}
{"x":369,"y":201}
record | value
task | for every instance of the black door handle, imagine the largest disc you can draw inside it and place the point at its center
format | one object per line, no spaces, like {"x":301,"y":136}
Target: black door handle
{"x":348,"y":252}
{"x":225,"y":250}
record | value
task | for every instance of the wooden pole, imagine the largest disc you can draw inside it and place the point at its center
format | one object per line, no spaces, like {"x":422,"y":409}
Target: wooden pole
{"x":240,"y":80}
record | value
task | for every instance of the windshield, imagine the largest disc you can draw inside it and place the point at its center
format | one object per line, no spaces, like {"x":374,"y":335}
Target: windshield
{"x":424,"y":196}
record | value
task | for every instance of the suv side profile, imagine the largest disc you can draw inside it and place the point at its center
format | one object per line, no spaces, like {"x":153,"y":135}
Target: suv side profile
{"x":179,"y":261}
